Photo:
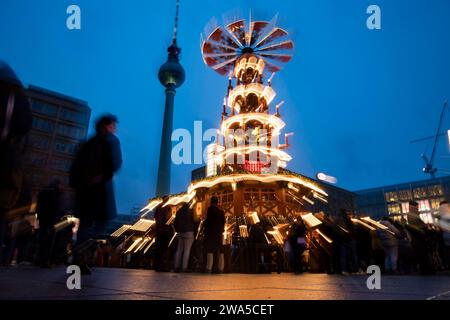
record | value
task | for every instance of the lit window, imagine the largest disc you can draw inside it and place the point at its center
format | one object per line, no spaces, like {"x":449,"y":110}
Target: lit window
{"x":435,"y":190}
{"x":391,"y":196}
{"x":405,"y":195}
{"x":424,"y":205}
{"x":394,"y":208}
{"x":426,"y":217}
{"x":405,"y":207}
{"x":435,"y":203}
{"x":420,"y":193}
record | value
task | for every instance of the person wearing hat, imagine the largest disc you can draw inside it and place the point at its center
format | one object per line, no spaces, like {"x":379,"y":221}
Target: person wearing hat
{"x":15,"y":123}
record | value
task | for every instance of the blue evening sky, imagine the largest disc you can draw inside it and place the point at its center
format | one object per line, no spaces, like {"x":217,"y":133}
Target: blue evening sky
{"x":354,"y":97}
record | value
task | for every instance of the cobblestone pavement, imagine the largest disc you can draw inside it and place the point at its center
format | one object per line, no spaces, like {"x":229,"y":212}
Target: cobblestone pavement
{"x":108,"y":283}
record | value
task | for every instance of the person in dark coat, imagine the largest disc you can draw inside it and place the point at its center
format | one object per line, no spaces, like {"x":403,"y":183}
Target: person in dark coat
{"x":256,"y":243}
{"x":405,"y":253}
{"x":419,"y":234}
{"x":330,"y":251}
{"x":15,"y":123}
{"x":21,"y":223}
{"x":164,"y":232}
{"x":91,"y":176}
{"x":348,"y":260}
{"x":214,"y":227}
{"x":389,"y":241}
{"x":297,"y":241}
{"x":49,"y":209}
{"x":363,"y":245}
{"x":184,"y":224}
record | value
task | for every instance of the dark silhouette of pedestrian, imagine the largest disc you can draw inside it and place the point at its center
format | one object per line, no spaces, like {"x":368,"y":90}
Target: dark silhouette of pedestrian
{"x":297,"y":241}
{"x":330,"y":251}
{"x":257,"y":244}
{"x":164,"y":233}
{"x":213,"y":234}
{"x":363,"y":240}
{"x":184,"y":225}
{"x":405,"y":251}
{"x":389,"y":242}
{"x":48,"y":209}
{"x":444,"y":223}
{"x":15,"y":123}
{"x":91,"y":176}
{"x":419,"y":234}
{"x":348,"y":261}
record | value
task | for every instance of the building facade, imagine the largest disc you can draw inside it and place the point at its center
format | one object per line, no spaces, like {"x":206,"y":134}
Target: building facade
{"x":394,"y":199}
{"x":60,"y":123}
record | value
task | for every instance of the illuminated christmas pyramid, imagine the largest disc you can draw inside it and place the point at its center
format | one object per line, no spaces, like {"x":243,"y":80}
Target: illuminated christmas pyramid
{"x":245,"y":168}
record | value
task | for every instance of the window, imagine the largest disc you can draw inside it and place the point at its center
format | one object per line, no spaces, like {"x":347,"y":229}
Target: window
{"x":268,"y":195}
{"x":72,"y":132}
{"x":73,"y":116}
{"x":44,"y":108}
{"x":65,"y":147}
{"x":426,"y":217}
{"x":391,"y":196}
{"x":71,"y":148}
{"x":435,"y":190}
{"x":424,"y":205}
{"x":435,"y":203}
{"x":251,"y":194}
{"x":39,"y":142}
{"x":394,"y":208}
{"x":405,"y":195}
{"x":405,"y":207}
{"x":60,"y":164}
{"x":36,"y":159}
{"x":43,"y":125}
{"x":225,"y":197}
{"x":420,"y":192}
{"x":60,"y":146}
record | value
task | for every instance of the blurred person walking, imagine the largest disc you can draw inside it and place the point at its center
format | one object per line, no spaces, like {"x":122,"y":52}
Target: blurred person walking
{"x":48,"y":209}
{"x":15,"y":123}
{"x":214,"y":226}
{"x":297,"y":241}
{"x":91,"y":176}
{"x":348,"y":260}
{"x":444,"y":224}
{"x":330,"y":250}
{"x":389,"y":242}
{"x":21,"y":230}
{"x":256,"y":242}
{"x":405,"y":251}
{"x":164,"y":233}
{"x":419,"y":234}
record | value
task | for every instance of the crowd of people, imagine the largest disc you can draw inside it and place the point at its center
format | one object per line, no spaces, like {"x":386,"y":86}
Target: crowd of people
{"x":398,"y":246}
{"x":185,"y":225}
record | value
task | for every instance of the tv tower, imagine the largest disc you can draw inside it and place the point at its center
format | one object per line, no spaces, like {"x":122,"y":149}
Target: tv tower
{"x":171,"y":76}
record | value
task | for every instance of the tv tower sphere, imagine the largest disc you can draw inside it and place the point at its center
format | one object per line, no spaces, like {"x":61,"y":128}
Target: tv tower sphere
{"x":171,"y":73}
